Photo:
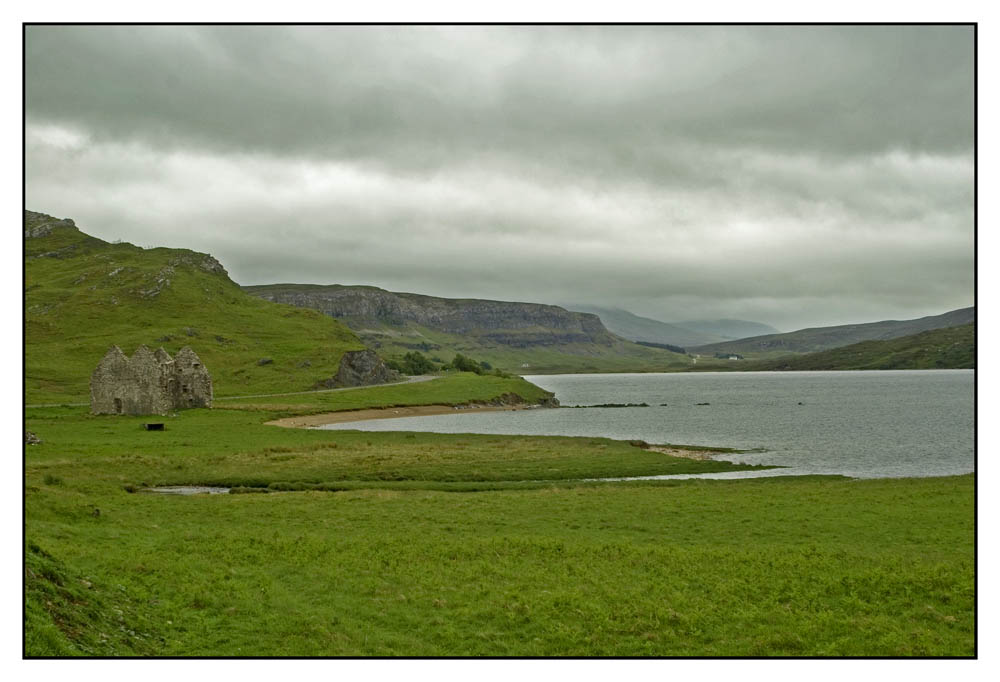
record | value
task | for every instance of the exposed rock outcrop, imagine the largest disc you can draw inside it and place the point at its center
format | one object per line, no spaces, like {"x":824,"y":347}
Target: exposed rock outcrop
{"x":361,"y":368}
{"x":40,"y":225}
{"x":201,"y":260}
{"x":43,"y":232}
{"x":513,"y":399}
{"x":517,"y":325}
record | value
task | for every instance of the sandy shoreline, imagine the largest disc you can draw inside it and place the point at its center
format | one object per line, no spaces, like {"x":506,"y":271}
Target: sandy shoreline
{"x":310,"y":420}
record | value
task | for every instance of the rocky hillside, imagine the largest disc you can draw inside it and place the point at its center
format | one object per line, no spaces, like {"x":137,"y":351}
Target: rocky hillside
{"x":519,"y":325}
{"x":824,"y":338}
{"x":512,"y":336}
{"x":83,"y":295}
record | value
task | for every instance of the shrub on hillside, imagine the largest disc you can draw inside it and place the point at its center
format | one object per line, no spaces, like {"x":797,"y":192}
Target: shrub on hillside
{"x":464,"y":364}
{"x":413,"y":363}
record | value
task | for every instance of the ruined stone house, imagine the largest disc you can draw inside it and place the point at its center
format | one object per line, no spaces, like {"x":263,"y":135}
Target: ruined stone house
{"x":149,"y":382}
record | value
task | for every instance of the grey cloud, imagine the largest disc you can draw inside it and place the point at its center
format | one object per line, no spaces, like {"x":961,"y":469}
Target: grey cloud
{"x":796,"y":175}
{"x":384,"y":92}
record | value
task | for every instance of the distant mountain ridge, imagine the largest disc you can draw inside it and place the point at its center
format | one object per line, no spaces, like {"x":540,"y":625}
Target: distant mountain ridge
{"x":692,"y":333}
{"x":636,"y":328}
{"x":727,"y":329}
{"x":949,"y":347}
{"x":824,"y":338}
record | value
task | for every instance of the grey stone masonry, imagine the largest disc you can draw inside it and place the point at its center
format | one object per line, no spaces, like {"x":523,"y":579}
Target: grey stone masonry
{"x":149,"y":382}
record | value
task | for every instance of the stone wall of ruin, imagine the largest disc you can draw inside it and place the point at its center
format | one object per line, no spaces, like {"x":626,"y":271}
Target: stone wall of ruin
{"x":149,"y":383}
{"x":193,"y":384}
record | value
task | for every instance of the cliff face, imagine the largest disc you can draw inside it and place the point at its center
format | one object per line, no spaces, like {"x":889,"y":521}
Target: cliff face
{"x":518,"y":325}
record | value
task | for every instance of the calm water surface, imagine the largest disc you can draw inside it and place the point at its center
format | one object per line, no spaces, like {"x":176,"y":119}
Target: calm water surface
{"x":861,"y":424}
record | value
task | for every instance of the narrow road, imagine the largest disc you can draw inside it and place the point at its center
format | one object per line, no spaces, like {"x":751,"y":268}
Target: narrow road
{"x":410,"y":380}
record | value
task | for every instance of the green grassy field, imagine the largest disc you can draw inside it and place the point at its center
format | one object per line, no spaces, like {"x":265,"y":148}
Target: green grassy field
{"x":461,"y":544}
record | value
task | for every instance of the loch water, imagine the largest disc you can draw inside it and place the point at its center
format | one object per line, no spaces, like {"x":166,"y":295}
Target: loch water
{"x":861,"y":424}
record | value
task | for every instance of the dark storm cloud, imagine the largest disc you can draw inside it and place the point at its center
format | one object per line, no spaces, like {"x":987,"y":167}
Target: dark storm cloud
{"x":800,"y":174}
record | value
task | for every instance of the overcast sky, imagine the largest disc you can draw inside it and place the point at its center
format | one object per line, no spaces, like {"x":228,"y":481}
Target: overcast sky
{"x":797,"y":176}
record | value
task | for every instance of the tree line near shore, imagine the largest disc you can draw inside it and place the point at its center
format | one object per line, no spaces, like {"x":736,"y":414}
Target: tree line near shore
{"x":415,"y":363}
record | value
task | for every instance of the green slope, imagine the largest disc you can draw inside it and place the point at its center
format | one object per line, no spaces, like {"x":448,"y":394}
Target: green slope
{"x":952,"y":348}
{"x":824,"y":338}
{"x":83,"y":294}
{"x":622,"y":356}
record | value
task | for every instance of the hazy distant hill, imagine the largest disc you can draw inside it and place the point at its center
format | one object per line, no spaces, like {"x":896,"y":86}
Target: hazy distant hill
{"x":526,"y":337}
{"x":83,"y":294}
{"x":636,"y":328}
{"x":729,"y":329}
{"x":692,"y":333}
{"x":952,"y":347}
{"x":823,"y":338}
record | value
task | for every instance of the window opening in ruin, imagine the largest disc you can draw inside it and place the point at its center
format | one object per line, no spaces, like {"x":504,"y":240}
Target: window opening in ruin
{"x":184,"y":388}
{"x":118,"y":406}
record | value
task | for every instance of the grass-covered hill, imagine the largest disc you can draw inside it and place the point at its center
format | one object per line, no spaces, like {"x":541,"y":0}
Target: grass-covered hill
{"x":824,"y":338}
{"x":516,"y":337}
{"x":83,"y":295}
{"x":953,"y":347}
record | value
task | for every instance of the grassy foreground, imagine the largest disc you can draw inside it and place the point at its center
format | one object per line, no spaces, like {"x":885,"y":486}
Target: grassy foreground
{"x":457,"y":544}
